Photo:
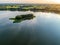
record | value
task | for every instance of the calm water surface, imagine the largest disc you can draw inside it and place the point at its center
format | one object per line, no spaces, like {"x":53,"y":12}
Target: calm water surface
{"x":44,"y":29}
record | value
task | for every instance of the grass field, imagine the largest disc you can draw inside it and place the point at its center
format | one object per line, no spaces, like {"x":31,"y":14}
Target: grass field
{"x":47,"y":7}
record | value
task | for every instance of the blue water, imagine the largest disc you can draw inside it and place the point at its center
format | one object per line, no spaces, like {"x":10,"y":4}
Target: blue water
{"x":44,"y":29}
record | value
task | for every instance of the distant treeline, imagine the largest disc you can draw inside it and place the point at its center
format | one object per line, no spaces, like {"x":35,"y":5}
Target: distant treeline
{"x":48,"y":8}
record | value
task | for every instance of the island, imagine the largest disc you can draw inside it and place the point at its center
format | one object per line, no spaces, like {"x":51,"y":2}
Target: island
{"x":20,"y":18}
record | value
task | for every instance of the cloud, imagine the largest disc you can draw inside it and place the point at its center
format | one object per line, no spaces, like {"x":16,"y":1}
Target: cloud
{"x":29,"y":1}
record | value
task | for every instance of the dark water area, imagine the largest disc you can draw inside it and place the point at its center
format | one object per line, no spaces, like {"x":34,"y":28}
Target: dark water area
{"x":44,"y":29}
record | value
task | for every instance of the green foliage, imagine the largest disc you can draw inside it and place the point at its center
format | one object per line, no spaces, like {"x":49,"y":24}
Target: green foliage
{"x":20,"y":18}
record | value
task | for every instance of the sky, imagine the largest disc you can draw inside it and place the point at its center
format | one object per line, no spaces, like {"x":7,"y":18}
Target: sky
{"x":31,"y":1}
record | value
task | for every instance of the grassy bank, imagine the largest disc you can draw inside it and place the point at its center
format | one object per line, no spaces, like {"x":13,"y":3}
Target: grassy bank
{"x":44,"y":8}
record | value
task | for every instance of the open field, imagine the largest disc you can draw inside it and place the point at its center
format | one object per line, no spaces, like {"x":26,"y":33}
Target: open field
{"x":41,"y":7}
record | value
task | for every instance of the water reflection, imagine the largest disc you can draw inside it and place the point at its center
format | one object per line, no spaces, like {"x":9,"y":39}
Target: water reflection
{"x":44,"y":29}
{"x":20,"y":18}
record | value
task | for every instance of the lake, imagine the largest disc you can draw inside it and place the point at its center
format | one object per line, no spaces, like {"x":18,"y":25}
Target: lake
{"x":43,"y":29}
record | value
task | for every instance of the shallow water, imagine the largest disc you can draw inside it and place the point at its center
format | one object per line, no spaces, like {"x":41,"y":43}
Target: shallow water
{"x":44,"y":29}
